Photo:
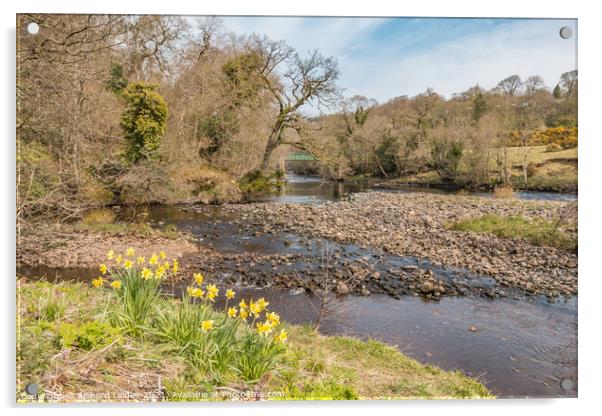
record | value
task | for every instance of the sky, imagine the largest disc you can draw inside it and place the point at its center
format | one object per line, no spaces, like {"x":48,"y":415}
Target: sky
{"x":382,"y":58}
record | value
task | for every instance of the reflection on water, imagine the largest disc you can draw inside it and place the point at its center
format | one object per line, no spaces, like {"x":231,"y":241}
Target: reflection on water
{"x":303,"y":189}
{"x":521,"y":348}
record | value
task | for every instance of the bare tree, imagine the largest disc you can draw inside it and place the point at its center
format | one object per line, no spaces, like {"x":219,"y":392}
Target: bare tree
{"x":568,"y":82}
{"x":533,"y":84}
{"x":511,"y":85}
{"x":303,"y":80}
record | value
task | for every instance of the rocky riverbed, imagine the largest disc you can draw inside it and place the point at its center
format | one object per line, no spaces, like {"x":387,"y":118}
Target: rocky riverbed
{"x":417,"y":225}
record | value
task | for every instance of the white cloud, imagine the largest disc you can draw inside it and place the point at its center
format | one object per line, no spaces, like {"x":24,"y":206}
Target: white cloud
{"x":382,"y":69}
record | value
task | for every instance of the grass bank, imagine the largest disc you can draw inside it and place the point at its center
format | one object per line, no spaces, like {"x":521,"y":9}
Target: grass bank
{"x":547,"y":171}
{"x":69,"y":346}
{"x":539,"y":232}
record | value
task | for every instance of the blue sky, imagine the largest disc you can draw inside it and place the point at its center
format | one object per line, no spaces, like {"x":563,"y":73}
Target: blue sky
{"x":383,"y":58}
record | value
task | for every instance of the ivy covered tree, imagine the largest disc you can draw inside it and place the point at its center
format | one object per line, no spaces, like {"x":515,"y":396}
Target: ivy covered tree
{"x":479,"y":106}
{"x":143,"y":121}
{"x":116,"y":82}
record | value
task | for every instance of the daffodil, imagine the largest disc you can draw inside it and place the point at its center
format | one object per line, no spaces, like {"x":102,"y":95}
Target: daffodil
{"x":176,"y":266}
{"x":159,"y":272}
{"x":232,"y":312}
{"x":242,"y":304}
{"x":198,"y":278}
{"x":262,"y":304}
{"x":273,"y":317}
{"x":116,"y":284}
{"x":146,"y":273}
{"x":140,"y":260}
{"x":166,"y":265}
{"x":128,"y":264}
{"x":118,"y":258}
{"x":162,"y":255}
{"x":195,"y":292}
{"x":255,"y":309}
{"x":230,"y":294}
{"x":154,"y":259}
{"x":103,"y":268}
{"x":130,"y":252}
{"x":244,"y":313}
{"x":264,"y":327}
{"x":98,"y":282}
{"x":281,"y":337}
{"x":110,"y":254}
{"x":212,"y":292}
{"x":206,"y":326}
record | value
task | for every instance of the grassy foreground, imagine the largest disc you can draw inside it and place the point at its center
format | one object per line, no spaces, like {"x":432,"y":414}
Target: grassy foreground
{"x":67,"y":346}
{"x":536,"y":231}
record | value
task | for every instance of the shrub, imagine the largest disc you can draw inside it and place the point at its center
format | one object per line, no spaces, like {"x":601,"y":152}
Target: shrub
{"x":531,"y":169}
{"x":143,"y":121}
{"x":98,"y":217}
{"x":256,"y":183}
{"x":87,"y":336}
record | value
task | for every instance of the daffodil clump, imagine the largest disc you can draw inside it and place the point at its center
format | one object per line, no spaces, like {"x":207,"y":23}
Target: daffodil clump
{"x":136,"y":282}
{"x":243,"y":340}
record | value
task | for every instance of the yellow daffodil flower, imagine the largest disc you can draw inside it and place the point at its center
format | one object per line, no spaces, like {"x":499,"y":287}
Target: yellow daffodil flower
{"x":146,"y":273}
{"x":206,"y":326}
{"x":159,"y":273}
{"x":130,"y":252}
{"x":140,"y":260}
{"x":118,"y":258}
{"x":198,"y":278}
{"x":116,"y":284}
{"x":242,"y":304}
{"x":110,"y":254}
{"x":162,"y":255}
{"x":262,"y":304}
{"x":176,"y":266}
{"x":103,"y":268}
{"x":154,"y":259}
{"x":273,"y":317}
{"x":264,"y":327}
{"x":232,"y":312}
{"x":128,"y":264}
{"x":244,"y":313}
{"x":281,"y":337}
{"x":98,"y":282}
{"x":230,"y":294}
{"x":255,"y":309}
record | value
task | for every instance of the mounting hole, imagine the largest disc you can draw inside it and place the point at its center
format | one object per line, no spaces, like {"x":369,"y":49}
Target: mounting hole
{"x":566,"y":384}
{"x":566,"y":32}
{"x":32,"y":389}
{"x":33,"y":28}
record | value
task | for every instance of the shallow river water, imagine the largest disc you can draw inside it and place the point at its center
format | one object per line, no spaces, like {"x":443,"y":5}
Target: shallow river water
{"x":518,"y":347}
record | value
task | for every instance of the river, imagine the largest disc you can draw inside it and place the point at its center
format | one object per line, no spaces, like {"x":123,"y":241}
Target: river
{"x":524,"y":347}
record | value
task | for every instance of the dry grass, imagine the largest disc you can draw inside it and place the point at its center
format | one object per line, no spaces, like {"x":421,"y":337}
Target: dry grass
{"x":99,"y":216}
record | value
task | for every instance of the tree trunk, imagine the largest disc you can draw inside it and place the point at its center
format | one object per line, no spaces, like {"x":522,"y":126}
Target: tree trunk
{"x":273,"y":142}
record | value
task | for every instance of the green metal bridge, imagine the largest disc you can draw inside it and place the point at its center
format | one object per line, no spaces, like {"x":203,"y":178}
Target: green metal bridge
{"x":299,"y":156}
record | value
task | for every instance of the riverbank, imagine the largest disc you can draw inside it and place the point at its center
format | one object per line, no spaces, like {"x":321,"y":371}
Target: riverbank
{"x":115,"y":366}
{"x":547,"y":172}
{"x":56,"y":245}
{"x":419,"y":225}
